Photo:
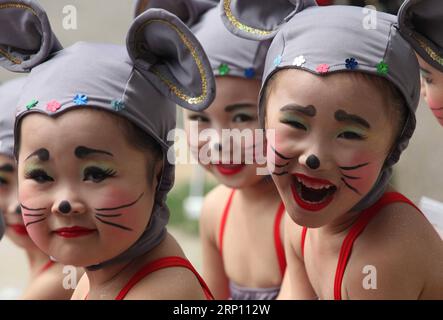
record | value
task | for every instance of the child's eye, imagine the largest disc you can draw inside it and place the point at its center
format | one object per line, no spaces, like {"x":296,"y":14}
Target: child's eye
{"x":38,"y":175}
{"x":242,"y":118}
{"x":350,"y":135}
{"x":295,"y":124}
{"x":428,"y":80}
{"x":198,"y":117}
{"x":96,"y":174}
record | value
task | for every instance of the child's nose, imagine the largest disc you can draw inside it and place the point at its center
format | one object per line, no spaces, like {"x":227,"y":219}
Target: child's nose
{"x":66,"y":207}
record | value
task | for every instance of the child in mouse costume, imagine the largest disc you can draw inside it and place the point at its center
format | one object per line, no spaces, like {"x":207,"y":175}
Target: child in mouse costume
{"x":338,"y":102}
{"x":91,"y":143}
{"x":46,"y":276}
{"x":421,"y":23}
{"x":241,"y":219}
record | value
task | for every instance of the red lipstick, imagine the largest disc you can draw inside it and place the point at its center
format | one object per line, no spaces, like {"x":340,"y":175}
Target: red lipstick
{"x":229,"y":169}
{"x":321,"y":190}
{"x":73,"y":232}
{"x":19,"y":229}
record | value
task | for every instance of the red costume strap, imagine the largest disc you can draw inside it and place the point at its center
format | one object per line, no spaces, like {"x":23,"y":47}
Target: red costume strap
{"x":358,"y":227}
{"x":167,"y":262}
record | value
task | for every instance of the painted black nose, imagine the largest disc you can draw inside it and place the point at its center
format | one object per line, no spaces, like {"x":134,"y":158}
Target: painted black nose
{"x":313,"y":162}
{"x":64,"y":207}
{"x":18,"y":210}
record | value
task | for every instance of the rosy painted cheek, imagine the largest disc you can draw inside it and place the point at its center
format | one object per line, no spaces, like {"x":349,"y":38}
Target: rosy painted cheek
{"x":120,"y":211}
{"x":436,"y":108}
{"x":360,"y":174}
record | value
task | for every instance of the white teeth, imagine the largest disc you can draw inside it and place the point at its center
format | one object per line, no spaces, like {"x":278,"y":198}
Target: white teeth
{"x":316,"y":186}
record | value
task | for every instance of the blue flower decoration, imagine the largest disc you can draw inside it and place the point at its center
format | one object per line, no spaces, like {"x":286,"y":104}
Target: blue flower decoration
{"x":80,"y":99}
{"x":278,"y":60}
{"x":117,"y":105}
{"x":351,"y":64}
{"x":249,"y":73}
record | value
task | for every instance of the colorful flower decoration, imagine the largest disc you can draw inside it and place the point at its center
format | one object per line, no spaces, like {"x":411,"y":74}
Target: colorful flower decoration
{"x":382,"y":68}
{"x":299,"y":61}
{"x":223,"y":69}
{"x":277,"y":61}
{"x":53,"y":106}
{"x":351,"y":64}
{"x":32,"y":104}
{"x":80,"y":99}
{"x":322,"y":68}
{"x":249,"y":73}
{"x":117,"y":105}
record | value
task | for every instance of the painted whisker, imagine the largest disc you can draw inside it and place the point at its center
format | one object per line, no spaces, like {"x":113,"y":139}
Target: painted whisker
{"x":116,"y":225}
{"x":30,"y":209}
{"x":350,"y":187}
{"x":109,"y":215}
{"x":350,"y":177}
{"x":280,"y":155}
{"x":278,"y":165}
{"x":37,"y":221}
{"x":121,"y":207}
{"x":355,"y":167}
{"x":33,"y":215}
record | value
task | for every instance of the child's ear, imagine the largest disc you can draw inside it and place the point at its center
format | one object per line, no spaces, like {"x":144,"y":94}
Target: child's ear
{"x":260,"y":19}
{"x":167,"y":53}
{"x":188,"y":11}
{"x":26,"y":37}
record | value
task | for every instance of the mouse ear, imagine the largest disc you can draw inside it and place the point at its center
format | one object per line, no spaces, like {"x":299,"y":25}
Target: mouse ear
{"x":189,"y":11}
{"x":26,"y":38}
{"x":167,"y":53}
{"x":260,"y":19}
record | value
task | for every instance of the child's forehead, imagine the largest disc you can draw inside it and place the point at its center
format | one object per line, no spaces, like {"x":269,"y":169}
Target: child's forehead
{"x":82,"y":125}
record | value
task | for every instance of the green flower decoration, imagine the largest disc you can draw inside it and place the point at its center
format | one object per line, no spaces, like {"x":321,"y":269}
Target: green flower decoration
{"x":382,"y":68}
{"x":223,"y":69}
{"x":117,"y":105}
{"x":31,"y":104}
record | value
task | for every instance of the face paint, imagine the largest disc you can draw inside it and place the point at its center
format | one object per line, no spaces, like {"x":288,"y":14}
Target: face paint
{"x":436,"y":109}
{"x":312,"y":194}
{"x":103,"y":216}
{"x":325,"y":161}
{"x":98,"y":171}
{"x":235,"y":164}
{"x":42,"y":154}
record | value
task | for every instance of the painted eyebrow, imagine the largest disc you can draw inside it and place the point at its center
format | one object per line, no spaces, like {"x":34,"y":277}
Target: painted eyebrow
{"x":308,"y":110}
{"x":7,"y":168}
{"x":42,"y":154}
{"x":233,"y":107}
{"x":343,"y":116}
{"x":83,"y":152}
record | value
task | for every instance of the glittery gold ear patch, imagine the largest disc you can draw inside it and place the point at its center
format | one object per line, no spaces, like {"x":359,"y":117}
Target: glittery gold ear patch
{"x":431,"y":53}
{"x":178,"y":92}
{"x":233,"y":20}
{"x":4,"y":53}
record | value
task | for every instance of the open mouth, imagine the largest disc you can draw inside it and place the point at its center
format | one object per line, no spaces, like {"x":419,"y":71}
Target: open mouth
{"x":312,"y":194}
{"x":229,"y":169}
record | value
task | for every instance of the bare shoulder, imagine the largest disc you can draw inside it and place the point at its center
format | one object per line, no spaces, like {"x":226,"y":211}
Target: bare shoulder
{"x":212,"y":210}
{"x":175,"y":283}
{"x":293,"y":236}
{"x":403,"y":253}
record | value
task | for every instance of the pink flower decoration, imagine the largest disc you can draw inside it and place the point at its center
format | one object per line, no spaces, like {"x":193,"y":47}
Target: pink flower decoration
{"x":53,"y":106}
{"x":322,"y":68}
